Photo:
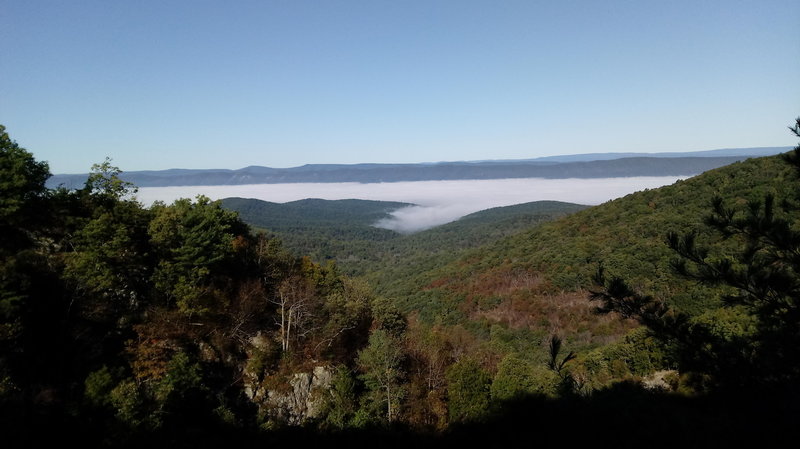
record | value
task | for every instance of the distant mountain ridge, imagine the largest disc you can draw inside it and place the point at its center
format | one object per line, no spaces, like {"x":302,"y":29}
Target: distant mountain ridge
{"x":724,"y":152}
{"x":599,"y":165}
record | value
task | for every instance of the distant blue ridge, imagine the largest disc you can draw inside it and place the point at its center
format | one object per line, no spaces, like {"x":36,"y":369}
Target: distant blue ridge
{"x":597,"y":165}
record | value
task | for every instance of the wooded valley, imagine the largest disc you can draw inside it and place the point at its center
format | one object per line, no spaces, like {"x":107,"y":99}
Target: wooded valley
{"x":669,"y":316}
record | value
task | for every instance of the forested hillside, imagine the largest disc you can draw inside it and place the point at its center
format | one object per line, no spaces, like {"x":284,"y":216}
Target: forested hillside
{"x":666,"y":316}
{"x":627,"y":235}
{"x":345,"y":230}
{"x":510,"y":294}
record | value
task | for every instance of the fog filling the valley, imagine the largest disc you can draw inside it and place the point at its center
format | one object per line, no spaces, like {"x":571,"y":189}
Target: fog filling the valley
{"x":436,"y":202}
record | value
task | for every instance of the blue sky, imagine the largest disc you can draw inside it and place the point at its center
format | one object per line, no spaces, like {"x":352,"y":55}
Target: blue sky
{"x":210,"y":84}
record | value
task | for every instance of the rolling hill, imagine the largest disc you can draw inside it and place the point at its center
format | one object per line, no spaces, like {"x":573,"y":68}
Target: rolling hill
{"x":344,"y":230}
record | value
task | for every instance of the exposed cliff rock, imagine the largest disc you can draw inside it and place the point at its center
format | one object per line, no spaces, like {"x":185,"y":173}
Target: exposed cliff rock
{"x":303,"y":401}
{"x":665,"y":380}
{"x":301,"y":396}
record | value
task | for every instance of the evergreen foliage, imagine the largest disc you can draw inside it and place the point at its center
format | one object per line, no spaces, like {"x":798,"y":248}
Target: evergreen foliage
{"x":756,"y":341}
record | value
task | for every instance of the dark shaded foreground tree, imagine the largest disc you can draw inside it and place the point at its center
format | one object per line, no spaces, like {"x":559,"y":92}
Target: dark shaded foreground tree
{"x":119,"y":323}
{"x":468,"y":391}
{"x":624,"y":416}
{"x":754,"y":341}
{"x":28,"y":286}
{"x":22,"y":194}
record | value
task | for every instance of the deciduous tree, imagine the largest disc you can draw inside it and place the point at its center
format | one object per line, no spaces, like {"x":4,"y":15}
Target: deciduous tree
{"x":468,"y":388}
{"x":381,"y":364}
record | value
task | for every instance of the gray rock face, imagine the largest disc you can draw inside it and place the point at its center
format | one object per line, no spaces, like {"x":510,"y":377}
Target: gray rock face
{"x":300,"y":400}
{"x":252,"y":375}
{"x":658,"y":380}
{"x":303,"y":401}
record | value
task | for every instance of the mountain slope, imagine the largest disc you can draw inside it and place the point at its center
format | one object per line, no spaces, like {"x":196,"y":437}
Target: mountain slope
{"x":406,"y":257}
{"x":627,"y":235}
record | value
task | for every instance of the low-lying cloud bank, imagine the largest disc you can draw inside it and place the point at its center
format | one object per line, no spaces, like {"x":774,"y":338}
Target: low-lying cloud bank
{"x":436,"y":202}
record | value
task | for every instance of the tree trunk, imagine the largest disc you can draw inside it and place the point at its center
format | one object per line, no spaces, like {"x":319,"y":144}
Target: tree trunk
{"x":289,"y":329}
{"x":388,"y":403}
{"x":283,"y":325}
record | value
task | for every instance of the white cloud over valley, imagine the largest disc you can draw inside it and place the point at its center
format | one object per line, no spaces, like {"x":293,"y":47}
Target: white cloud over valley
{"x":435,"y":202}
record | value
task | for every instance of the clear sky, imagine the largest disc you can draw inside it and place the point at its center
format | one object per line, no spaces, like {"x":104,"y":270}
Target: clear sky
{"x":213,"y":84}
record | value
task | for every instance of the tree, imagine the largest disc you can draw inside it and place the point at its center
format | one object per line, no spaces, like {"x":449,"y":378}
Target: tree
{"x":388,"y":317}
{"x":429,"y":355}
{"x":105,"y":183}
{"x":381,"y":364}
{"x":468,"y":387}
{"x":340,"y":405}
{"x":517,"y":377}
{"x":22,"y":194}
{"x":29,"y":293}
{"x":109,"y":265}
{"x":195,"y":242}
{"x":293,"y":300}
{"x":555,"y":351}
{"x":347,"y":317}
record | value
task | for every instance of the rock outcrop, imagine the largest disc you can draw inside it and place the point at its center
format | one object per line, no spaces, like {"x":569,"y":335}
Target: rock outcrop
{"x":300,"y":397}
{"x":303,"y":401}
